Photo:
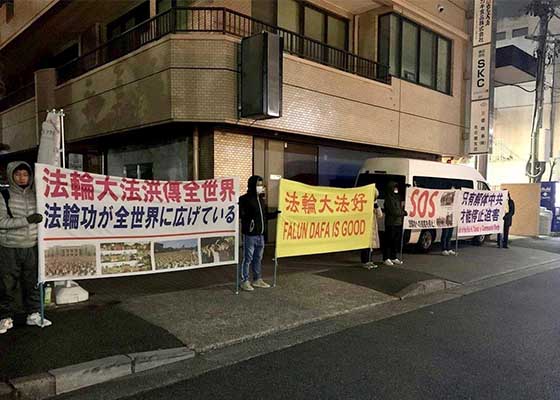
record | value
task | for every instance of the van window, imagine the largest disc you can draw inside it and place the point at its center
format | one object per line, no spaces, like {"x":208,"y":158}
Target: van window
{"x":381,"y":181}
{"x":429,"y":182}
{"x":482,"y":186}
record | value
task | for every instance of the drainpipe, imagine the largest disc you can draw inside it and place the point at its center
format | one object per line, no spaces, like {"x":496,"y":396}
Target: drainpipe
{"x":196,"y":153}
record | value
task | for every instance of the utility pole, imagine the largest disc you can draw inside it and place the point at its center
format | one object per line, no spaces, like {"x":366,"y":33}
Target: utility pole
{"x":544,"y":10}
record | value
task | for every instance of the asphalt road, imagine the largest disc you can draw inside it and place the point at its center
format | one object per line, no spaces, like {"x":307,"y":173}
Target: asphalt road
{"x":501,"y":343}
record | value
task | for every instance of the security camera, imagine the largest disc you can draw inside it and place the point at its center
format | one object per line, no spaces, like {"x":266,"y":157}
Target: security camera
{"x":440,"y":8}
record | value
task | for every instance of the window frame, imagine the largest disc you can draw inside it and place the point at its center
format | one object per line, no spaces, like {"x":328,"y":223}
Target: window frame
{"x":399,"y":40}
{"x":325,"y":14}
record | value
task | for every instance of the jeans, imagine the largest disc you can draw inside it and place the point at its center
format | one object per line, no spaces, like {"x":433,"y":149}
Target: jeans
{"x":253,"y":249}
{"x":18,"y":265}
{"x":446,"y":239}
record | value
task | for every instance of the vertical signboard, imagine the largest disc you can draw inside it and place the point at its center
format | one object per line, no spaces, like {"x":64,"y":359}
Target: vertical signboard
{"x":480,"y":138}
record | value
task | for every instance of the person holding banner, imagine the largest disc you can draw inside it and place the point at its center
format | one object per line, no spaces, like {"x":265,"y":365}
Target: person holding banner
{"x":18,"y":247}
{"x":394,"y":215}
{"x":508,"y":220}
{"x":253,"y":222}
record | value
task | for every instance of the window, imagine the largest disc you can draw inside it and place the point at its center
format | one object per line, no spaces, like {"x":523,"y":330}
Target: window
{"x":414,"y":53}
{"x":520,"y":32}
{"x":9,"y":9}
{"x":139,"y":171}
{"x":482,"y":186}
{"x":427,"y":57}
{"x":288,"y":15}
{"x":68,"y":54}
{"x":129,"y":20}
{"x":443,"y":65}
{"x":312,"y":22}
{"x":389,"y":39}
{"x":409,"y":61}
{"x":501,"y":36}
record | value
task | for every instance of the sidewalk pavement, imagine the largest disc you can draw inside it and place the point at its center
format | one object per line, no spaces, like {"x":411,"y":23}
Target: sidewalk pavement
{"x":198,"y":309}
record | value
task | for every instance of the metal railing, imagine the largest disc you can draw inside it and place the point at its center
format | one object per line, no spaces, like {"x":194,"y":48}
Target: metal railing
{"x":18,"y":96}
{"x":223,"y":21}
{"x":148,"y":31}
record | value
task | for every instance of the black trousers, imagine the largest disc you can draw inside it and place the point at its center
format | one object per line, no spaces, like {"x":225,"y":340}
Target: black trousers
{"x":391,"y":243}
{"x":18,"y":266}
{"x":503,"y":239}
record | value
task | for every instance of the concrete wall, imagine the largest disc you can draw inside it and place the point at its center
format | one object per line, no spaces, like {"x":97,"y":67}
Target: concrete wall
{"x":527,"y":198}
{"x":18,"y":126}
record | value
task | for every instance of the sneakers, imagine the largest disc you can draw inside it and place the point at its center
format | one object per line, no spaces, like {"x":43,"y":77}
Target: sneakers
{"x":35,"y":320}
{"x":259,"y":283}
{"x":5,"y":324}
{"x":388,"y":263}
{"x":246,"y":286}
{"x":396,"y":261}
{"x":370,"y":265}
{"x":445,"y":253}
{"x":451,"y":252}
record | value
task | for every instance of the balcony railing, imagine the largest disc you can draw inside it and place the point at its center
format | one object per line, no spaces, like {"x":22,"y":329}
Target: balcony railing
{"x":223,"y":21}
{"x":20,"y":95}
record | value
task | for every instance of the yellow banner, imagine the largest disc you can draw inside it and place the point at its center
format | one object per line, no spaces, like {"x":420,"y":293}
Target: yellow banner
{"x":317,"y":219}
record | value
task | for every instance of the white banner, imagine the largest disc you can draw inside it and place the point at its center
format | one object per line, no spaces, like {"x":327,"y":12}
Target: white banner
{"x":481,"y":212}
{"x":429,"y":209}
{"x":102,"y":226}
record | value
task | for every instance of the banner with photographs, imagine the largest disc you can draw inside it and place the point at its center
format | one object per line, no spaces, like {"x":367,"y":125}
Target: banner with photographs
{"x":429,"y":209}
{"x":99,"y":226}
{"x":481,"y":212}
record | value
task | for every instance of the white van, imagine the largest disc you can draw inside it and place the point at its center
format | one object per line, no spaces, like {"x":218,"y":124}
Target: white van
{"x":424,"y":174}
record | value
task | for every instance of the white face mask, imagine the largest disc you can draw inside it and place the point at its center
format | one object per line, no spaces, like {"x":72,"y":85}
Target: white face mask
{"x":260,"y":189}
{"x":396,"y":191}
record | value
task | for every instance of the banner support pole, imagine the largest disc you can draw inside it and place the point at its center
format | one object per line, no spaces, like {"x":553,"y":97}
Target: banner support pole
{"x":402,"y":243}
{"x":238,"y":268}
{"x":42,"y":295}
{"x":457,"y":242}
{"x":275,"y":266}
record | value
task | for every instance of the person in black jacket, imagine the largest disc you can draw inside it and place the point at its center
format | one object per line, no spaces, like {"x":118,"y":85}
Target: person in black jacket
{"x":253,"y":224}
{"x":508,"y":220}
{"x":394,"y":215}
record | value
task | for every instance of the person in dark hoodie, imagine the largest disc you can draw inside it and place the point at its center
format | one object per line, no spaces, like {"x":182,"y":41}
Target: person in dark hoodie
{"x":508,"y":220}
{"x":253,"y":224}
{"x":18,"y":247}
{"x":394,"y":215}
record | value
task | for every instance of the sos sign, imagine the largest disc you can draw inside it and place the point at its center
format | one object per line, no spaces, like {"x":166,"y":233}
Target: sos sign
{"x":423,"y":203}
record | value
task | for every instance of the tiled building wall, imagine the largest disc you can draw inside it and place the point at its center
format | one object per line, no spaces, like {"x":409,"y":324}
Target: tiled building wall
{"x":233,"y":156}
{"x":24,"y":12}
{"x":18,"y":126}
{"x":131,"y":92}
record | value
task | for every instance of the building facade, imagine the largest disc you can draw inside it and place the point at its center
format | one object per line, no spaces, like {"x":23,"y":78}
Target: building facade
{"x":514,"y":103}
{"x":150,"y":88}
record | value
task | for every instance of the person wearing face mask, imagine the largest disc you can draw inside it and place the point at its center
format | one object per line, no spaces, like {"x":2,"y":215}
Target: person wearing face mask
{"x":18,"y":247}
{"x":253,"y":224}
{"x":394,"y":215}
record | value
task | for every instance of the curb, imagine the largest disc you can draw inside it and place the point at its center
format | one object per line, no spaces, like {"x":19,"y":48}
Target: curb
{"x":425,"y":287}
{"x":73,"y":377}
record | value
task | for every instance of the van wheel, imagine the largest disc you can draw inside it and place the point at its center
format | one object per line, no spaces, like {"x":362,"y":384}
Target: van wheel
{"x":425,"y":241}
{"x":478,"y":240}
